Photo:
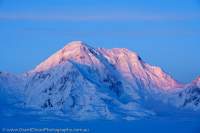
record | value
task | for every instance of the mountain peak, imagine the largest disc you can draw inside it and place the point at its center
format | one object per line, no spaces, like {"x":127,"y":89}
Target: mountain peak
{"x":72,"y":51}
{"x":127,"y":62}
{"x":75,"y":44}
{"x":126,"y":51}
{"x":73,"y":47}
{"x":121,"y":53}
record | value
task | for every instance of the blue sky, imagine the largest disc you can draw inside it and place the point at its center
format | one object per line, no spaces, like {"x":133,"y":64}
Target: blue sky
{"x":165,"y":33}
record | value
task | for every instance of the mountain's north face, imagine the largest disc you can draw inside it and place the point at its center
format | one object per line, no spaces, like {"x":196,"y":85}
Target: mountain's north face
{"x":82,"y":82}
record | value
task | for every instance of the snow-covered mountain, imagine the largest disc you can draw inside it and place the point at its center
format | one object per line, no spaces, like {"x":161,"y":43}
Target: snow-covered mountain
{"x":82,"y":82}
{"x":11,"y":88}
{"x":191,"y":95}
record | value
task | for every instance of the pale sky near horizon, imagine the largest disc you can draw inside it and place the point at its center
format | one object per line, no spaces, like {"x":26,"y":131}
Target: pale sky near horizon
{"x":165,"y":33}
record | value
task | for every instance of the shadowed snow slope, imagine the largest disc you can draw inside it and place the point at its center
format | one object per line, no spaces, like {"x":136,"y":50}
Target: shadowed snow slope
{"x":81,"y":82}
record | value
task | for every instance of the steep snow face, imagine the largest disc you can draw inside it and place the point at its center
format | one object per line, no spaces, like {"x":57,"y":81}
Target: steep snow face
{"x":65,"y":89}
{"x":134,"y":69}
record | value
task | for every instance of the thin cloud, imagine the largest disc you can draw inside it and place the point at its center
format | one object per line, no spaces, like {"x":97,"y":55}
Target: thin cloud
{"x":115,"y":33}
{"x":97,"y":17}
